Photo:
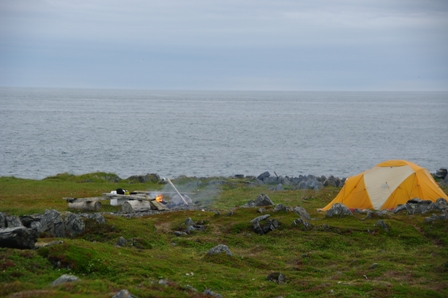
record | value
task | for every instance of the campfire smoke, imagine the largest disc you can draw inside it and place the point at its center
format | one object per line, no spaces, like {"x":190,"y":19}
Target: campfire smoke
{"x":191,"y":192}
{"x":178,"y":193}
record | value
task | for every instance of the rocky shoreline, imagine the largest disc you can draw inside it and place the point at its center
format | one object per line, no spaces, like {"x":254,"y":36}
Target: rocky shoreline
{"x":277,"y":181}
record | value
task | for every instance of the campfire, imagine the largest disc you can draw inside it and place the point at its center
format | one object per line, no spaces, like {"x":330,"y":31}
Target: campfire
{"x":137,"y":200}
{"x":159,"y":199}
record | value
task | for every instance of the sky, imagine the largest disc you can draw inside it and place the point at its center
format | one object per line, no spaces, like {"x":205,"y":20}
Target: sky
{"x":319,"y":45}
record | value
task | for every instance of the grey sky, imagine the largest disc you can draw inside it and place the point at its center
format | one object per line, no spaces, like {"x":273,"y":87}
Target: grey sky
{"x":210,"y":44}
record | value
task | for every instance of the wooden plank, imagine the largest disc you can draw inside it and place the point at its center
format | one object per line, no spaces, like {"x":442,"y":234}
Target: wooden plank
{"x":127,"y":197}
{"x":91,"y":199}
{"x":158,"y":206}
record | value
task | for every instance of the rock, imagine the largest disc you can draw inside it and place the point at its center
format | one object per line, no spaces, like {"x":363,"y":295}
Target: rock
{"x":441,"y":174}
{"x":327,"y":228}
{"x":27,"y":220}
{"x":303,"y":224}
{"x":164,"y":282}
{"x":259,"y":218}
{"x":64,"y":279}
{"x":382,"y":225}
{"x":302,"y":185}
{"x":211,"y":293}
{"x":374,"y":265}
{"x":338,"y":209}
{"x":179,"y":233}
{"x":189,"y":222}
{"x":260,"y":201}
{"x":190,"y":229}
{"x":276,"y":277}
{"x":123,"y":294}
{"x":435,"y":217}
{"x":279,"y":187}
{"x":302,"y":212}
{"x":52,"y":223}
{"x":144,"y":178}
{"x":439,"y":204}
{"x":263,"y":176}
{"x":33,"y":222}
{"x":266,"y":227}
{"x":2,"y":220}
{"x":94,"y":216}
{"x":263,"y":200}
{"x":418,"y":206}
{"x":13,"y":221}
{"x":374,"y":214}
{"x":192,"y":226}
{"x":18,"y":237}
{"x":419,"y":201}
{"x":121,"y":242}
{"x":399,"y":208}
{"x":281,"y":207}
{"x":221,"y":248}
{"x":74,"y":225}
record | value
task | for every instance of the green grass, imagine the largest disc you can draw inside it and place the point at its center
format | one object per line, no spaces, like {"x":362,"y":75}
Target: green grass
{"x":334,"y":259}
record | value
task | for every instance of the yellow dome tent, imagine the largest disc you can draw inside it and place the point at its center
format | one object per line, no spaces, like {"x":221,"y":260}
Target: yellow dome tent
{"x":387,"y":185}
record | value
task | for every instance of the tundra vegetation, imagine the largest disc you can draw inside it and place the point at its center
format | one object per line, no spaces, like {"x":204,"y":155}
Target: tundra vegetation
{"x":343,"y":257}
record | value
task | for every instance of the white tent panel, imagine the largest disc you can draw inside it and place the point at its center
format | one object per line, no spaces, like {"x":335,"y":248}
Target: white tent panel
{"x":381,"y":182}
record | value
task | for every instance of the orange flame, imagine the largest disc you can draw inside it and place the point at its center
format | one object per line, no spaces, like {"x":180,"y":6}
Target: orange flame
{"x":159,"y":198}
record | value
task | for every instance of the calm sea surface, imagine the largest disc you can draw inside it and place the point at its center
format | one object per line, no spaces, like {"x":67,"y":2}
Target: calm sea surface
{"x":209,"y":133}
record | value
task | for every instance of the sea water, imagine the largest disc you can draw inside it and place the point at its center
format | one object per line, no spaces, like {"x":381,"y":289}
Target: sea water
{"x":217,"y":133}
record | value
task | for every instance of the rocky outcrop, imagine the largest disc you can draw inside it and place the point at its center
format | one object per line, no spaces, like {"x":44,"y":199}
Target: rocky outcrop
{"x":261,"y":225}
{"x":64,"y":279}
{"x":18,"y":237}
{"x":303,"y":224}
{"x":23,"y":231}
{"x":74,"y":224}
{"x":123,"y":294}
{"x":144,"y":178}
{"x":261,"y":200}
{"x":339,"y":210}
{"x":302,"y":212}
{"x":300,"y":182}
{"x":276,"y":277}
{"x":221,"y":248}
{"x":418,"y":206}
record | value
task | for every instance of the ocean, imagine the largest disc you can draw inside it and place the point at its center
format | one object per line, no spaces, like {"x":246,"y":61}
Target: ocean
{"x":217,"y":133}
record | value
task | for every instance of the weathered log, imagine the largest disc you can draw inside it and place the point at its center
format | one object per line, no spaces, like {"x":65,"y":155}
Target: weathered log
{"x":136,"y":206}
{"x":85,"y":205}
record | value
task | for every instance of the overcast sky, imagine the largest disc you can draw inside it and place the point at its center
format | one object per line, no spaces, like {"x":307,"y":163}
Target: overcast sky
{"x":225,"y":45}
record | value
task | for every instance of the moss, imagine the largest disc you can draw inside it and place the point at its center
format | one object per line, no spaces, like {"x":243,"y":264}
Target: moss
{"x":334,"y":258}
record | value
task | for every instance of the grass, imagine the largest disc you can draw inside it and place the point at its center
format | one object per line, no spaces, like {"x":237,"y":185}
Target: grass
{"x":339,"y":257}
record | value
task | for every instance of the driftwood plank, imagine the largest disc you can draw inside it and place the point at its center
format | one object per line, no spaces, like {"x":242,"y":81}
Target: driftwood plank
{"x":127,"y":197}
{"x":91,"y":199}
{"x":158,"y":206}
